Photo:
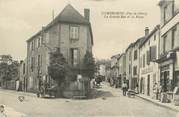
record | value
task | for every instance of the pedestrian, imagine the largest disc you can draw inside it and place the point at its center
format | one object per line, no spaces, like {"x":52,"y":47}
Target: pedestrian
{"x":155,"y":90}
{"x":137,"y":88}
{"x":2,"y":111}
{"x":160,"y":92}
{"x":124,"y":88}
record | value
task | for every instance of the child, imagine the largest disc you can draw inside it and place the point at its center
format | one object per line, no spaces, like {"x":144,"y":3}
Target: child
{"x":2,"y":111}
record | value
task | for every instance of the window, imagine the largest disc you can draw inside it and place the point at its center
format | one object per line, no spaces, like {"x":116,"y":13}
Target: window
{"x":143,"y":60}
{"x":173,"y":37}
{"x":74,"y":32}
{"x":35,"y":44}
{"x":38,"y":62}
{"x":32,"y":45}
{"x":165,"y":13}
{"x":74,"y":57}
{"x":24,"y":68}
{"x":32,"y":63}
{"x":39,"y":42}
{"x":164,"y":44}
{"x":148,"y":57}
{"x":130,"y":56}
{"x":129,"y":69}
{"x":135,"y":54}
{"x":135,"y":70}
{"x":153,"y":52}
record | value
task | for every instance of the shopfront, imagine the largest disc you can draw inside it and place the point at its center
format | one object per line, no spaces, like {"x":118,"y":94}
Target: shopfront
{"x":167,"y":76}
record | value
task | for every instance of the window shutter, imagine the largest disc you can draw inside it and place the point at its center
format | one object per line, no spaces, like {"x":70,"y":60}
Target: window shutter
{"x":140,"y":62}
{"x":148,"y":58}
{"x":153,"y":53}
{"x":143,"y":60}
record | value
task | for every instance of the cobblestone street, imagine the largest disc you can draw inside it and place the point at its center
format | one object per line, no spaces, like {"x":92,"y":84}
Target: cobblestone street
{"x":108,"y":102}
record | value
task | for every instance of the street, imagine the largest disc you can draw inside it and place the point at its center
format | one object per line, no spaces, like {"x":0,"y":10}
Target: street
{"x":108,"y":102}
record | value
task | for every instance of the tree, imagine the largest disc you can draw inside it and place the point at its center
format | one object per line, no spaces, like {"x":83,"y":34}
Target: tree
{"x":9,"y":68}
{"x":58,"y":67}
{"x":89,"y":66}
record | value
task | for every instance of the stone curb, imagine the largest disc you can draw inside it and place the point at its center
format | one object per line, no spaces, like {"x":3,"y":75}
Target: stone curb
{"x":158,"y":104}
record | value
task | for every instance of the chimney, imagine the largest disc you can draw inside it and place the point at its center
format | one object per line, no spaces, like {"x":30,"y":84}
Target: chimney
{"x":87,"y":14}
{"x":146,"y":31}
{"x":21,"y":61}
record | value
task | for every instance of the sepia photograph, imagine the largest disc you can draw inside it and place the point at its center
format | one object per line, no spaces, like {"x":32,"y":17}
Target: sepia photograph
{"x":89,"y":58}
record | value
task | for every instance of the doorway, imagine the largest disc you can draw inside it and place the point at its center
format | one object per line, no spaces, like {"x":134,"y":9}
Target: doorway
{"x":148,"y":85}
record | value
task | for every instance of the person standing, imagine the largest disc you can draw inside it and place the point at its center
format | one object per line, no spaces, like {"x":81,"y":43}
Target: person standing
{"x":124,"y":88}
{"x":155,"y":91}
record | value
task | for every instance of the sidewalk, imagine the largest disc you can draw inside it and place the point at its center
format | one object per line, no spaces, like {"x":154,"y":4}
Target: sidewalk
{"x":19,"y":92}
{"x":170,"y":106}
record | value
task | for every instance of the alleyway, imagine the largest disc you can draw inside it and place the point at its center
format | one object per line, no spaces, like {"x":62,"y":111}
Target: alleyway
{"x":108,"y":102}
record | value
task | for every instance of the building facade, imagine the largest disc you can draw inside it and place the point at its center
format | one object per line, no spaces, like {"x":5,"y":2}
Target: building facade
{"x":149,"y":72}
{"x":23,"y":75}
{"x":70,"y":32}
{"x":169,"y":45}
{"x":135,"y":64}
{"x":122,"y":68}
{"x":129,"y":65}
{"x":114,"y":70}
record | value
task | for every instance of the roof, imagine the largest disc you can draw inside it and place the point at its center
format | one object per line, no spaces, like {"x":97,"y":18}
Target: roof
{"x":150,"y":34}
{"x":68,"y":15}
{"x":131,"y":45}
{"x":139,"y":40}
{"x":116,"y":56}
{"x":121,"y":56}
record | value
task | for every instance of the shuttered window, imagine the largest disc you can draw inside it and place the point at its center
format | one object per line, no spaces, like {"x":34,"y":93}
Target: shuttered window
{"x":135,"y":54}
{"x":135,"y":70}
{"x":153,"y":53}
{"x":148,"y":57}
{"x":143,"y":60}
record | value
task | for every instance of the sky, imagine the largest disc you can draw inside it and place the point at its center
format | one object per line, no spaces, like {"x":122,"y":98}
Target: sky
{"x":21,"y":19}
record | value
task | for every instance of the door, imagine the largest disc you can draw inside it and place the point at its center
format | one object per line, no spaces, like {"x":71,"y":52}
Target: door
{"x":141,"y":85}
{"x":166,"y":81}
{"x":148,"y":85}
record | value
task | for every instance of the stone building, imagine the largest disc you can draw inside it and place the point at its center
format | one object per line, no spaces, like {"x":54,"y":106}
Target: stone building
{"x":114,"y":69}
{"x":69,"y":31}
{"x":135,"y":63}
{"x":149,"y":51}
{"x":22,"y":75}
{"x":122,"y":68}
{"x":169,"y":45}
{"x":132,"y":63}
{"x":129,"y":64}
